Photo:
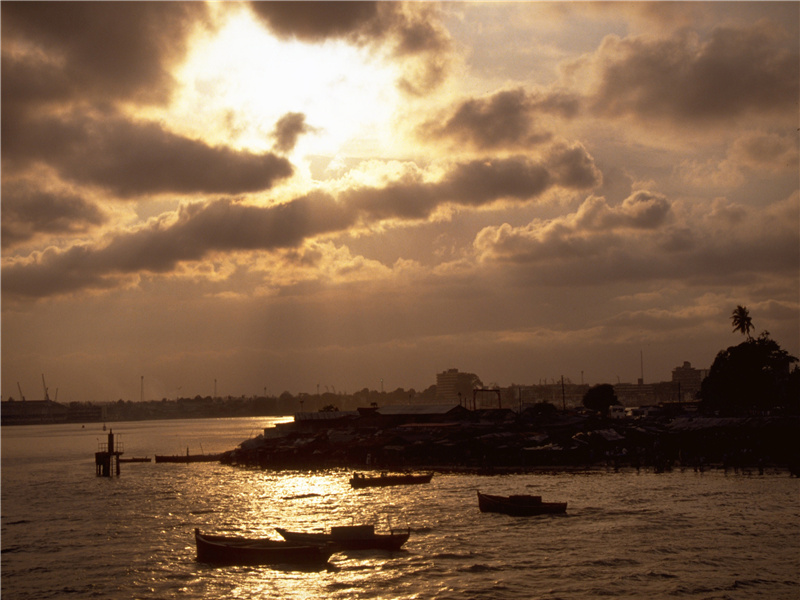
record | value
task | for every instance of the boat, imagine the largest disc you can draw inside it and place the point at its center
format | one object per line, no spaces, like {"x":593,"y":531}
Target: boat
{"x":358,"y":480}
{"x":350,"y":537}
{"x":236,"y":550}
{"x":134,"y":459}
{"x":519,"y":505}
{"x":188,"y":458}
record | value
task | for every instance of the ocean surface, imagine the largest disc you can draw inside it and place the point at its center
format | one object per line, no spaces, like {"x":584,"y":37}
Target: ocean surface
{"x":67,"y":533}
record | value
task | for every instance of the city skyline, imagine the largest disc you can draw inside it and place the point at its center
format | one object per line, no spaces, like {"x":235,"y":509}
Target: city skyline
{"x":277,"y":196}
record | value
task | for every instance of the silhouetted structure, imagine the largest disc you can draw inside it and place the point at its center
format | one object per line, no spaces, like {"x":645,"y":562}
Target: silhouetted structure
{"x":106,"y":459}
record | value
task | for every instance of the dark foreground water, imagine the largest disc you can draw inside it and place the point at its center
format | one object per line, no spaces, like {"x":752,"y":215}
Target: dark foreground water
{"x":69,"y":534}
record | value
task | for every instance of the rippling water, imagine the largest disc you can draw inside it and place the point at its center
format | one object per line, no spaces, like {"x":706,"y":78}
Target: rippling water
{"x":68,"y":533}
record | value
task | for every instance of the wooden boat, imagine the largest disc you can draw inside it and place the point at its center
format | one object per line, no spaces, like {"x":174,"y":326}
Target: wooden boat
{"x":234,"y":550}
{"x":359,"y":480}
{"x":134,"y":459}
{"x":188,"y":458}
{"x":519,"y":505}
{"x":350,"y":537}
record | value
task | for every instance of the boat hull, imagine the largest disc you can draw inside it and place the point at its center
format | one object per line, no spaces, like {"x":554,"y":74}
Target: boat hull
{"x":230,"y":550}
{"x":519,"y":506}
{"x":361,"y":481}
{"x":350,"y":538}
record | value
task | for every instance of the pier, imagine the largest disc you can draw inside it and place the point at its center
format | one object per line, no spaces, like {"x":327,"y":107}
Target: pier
{"x":106,"y":459}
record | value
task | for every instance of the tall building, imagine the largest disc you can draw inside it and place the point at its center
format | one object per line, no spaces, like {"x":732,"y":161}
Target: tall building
{"x":688,"y":379}
{"x":455,"y":387}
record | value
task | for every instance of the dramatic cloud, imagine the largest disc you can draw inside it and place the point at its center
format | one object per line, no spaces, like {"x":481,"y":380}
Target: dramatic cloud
{"x":28,"y":211}
{"x":288,"y":129}
{"x":318,"y":21}
{"x":131,"y":158}
{"x":232,"y":226}
{"x":736,"y":72}
{"x":504,"y":120}
{"x":108,"y":51}
{"x":642,"y":240}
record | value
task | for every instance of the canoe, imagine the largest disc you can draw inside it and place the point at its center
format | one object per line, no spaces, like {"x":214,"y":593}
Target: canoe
{"x":350,"y":537}
{"x":234,"y":550}
{"x":361,"y":481}
{"x":519,"y":505}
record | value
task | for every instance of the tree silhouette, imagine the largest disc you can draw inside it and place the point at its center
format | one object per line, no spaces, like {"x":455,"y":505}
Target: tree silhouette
{"x":600,"y":397}
{"x":755,"y":375}
{"x":741,"y":320}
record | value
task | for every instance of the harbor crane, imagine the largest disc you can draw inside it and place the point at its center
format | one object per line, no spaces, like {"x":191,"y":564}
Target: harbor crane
{"x":21,"y":395}
{"x":44,"y":385}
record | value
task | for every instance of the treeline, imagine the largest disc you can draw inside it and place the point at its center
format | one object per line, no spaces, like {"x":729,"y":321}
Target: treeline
{"x":256,"y":406}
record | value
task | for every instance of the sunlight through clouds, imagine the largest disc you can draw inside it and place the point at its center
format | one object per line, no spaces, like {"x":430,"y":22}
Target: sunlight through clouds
{"x":238,"y":82}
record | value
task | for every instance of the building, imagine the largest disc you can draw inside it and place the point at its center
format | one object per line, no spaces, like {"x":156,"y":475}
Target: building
{"x":32,"y":412}
{"x":455,"y":387}
{"x":688,"y":380}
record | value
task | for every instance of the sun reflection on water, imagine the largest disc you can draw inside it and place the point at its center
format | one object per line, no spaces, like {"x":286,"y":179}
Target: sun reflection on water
{"x":253,"y":503}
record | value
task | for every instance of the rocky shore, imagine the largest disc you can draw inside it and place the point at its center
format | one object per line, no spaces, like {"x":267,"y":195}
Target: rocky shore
{"x":502,"y":440}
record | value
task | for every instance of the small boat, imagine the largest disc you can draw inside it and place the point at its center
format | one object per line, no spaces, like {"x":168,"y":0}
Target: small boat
{"x":359,"y":480}
{"x":188,"y":458}
{"x":350,"y":537}
{"x":134,"y":459}
{"x":234,"y":550}
{"x":519,"y":505}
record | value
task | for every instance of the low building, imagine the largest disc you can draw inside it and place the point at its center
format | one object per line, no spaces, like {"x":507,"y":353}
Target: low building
{"x":32,"y":412}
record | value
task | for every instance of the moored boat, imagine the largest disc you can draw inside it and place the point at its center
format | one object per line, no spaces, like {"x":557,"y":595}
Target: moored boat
{"x":235,"y":550}
{"x":135,"y":459}
{"x":519,"y":505}
{"x":358,"y":480}
{"x":350,"y":537}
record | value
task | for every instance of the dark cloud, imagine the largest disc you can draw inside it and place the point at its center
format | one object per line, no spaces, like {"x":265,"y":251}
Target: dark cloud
{"x":220,"y":226}
{"x":318,"y":21}
{"x":232,"y":226}
{"x":288,"y":129}
{"x":735,"y":72}
{"x":504,"y":120}
{"x":474,"y":184}
{"x":131,"y":158}
{"x":105,"y":51}
{"x":28,"y":212}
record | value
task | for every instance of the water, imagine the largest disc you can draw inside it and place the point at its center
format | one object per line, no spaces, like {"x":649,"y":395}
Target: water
{"x":68,"y":533}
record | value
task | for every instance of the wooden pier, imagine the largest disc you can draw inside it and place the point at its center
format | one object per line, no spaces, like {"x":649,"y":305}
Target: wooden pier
{"x":106,"y":459}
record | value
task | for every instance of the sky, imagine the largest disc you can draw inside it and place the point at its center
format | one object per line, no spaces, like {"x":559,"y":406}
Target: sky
{"x":250,"y":198}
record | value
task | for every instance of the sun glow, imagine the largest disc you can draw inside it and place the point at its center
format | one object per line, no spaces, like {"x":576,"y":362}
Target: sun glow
{"x":238,"y":83}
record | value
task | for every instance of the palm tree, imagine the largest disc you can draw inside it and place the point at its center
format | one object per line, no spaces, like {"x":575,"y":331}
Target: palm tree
{"x":741,"y":320}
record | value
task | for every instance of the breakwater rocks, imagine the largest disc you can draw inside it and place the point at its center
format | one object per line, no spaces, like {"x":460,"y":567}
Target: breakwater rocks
{"x":504,"y":440}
